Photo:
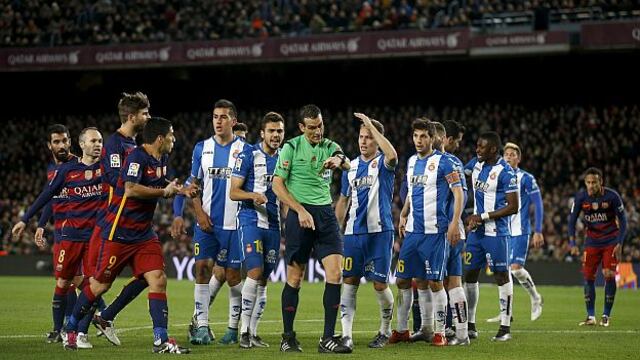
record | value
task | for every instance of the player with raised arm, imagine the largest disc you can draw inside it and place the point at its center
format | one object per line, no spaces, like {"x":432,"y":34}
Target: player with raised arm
{"x":495,"y":200}
{"x":259,"y":222}
{"x":367,"y":193}
{"x":606,"y":223}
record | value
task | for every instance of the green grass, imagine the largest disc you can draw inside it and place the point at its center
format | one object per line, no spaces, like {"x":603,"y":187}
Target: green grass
{"x":25,"y":315}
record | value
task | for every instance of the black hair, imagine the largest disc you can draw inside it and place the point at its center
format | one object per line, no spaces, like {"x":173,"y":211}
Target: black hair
{"x":156,"y":126}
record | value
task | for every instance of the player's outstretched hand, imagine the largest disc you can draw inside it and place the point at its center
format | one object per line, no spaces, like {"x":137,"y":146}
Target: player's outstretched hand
{"x":259,"y":199}
{"x":39,"y":238}
{"x":402,"y":226}
{"x":306,"y":220}
{"x":453,"y":234}
{"x":172,"y":188}
{"x":177,"y":227}
{"x":18,"y":229}
{"x":538,"y":240}
{"x":332,"y":163}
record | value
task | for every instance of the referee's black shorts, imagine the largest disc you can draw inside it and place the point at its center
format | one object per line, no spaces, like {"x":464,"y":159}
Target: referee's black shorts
{"x":325,"y":240}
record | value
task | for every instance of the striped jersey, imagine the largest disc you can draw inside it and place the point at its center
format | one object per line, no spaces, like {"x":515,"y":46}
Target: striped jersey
{"x":129,"y":220}
{"x":256,"y":167}
{"x":429,"y":181}
{"x":491,"y":184}
{"x":450,"y":199}
{"x":369,"y":184}
{"x":75,"y":192}
{"x":603,"y":216}
{"x":527,"y":185}
{"x":114,"y":153}
{"x":212,"y":164}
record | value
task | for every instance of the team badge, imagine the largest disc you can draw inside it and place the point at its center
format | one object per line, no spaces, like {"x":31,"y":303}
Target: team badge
{"x":249,"y":249}
{"x":605,"y":205}
{"x":374,"y":164}
{"x":236,"y":153}
{"x":493,"y":176}
{"x":88,"y":175}
{"x":314,"y":158}
{"x":98,"y":172}
{"x":158,"y":172}
{"x":285,"y":164}
{"x":238,"y":164}
{"x":432,"y":167}
{"x":594,"y":205}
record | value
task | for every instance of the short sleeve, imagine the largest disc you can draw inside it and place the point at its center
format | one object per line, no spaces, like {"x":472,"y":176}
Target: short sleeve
{"x":134,"y":168}
{"x":196,"y":162}
{"x":345,"y":189}
{"x":285,"y":160}
{"x":243,"y":164}
{"x":508,"y":181}
{"x":450,"y":173}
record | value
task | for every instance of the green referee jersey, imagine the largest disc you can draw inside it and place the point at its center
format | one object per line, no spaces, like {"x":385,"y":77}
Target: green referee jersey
{"x":300,"y":165}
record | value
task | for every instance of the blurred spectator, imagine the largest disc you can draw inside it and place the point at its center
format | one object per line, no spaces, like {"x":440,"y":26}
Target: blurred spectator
{"x":558,"y":144}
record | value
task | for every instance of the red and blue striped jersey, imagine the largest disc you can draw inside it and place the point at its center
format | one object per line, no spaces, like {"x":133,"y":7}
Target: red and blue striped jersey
{"x":114,"y":153}
{"x":129,"y":220}
{"x":603,"y":217}
{"x":75,"y":192}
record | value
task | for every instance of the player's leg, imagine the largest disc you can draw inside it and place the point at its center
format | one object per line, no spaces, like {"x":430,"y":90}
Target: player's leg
{"x":353,"y":269}
{"x":148,"y":262}
{"x":498,"y":249}
{"x":519,"y":250}
{"x":60,"y":294}
{"x":474,"y":260}
{"x":378,"y":260}
{"x":609,"y":265}
{"x":205,"y":249}
{"x":252,"y":245}
{"x":457,"y":297}
{"x":271,"y":250}
{"x":229,"y":240}
{"x":408,"y":267}
{"x":329,"y":249}
{"x":436,"y":251}
{"x":591,"y":258}
{"x":299,"y":243}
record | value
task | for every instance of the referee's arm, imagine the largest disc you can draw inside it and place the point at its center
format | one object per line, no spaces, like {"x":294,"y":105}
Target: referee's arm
{"x":280,"y":189}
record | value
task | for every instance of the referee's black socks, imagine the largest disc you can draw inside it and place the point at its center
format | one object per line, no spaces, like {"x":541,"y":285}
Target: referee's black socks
{"x":290,"y":306}
{"x":331,"y":301}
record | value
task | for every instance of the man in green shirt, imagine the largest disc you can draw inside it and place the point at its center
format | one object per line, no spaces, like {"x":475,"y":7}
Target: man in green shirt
{"x":302,"y":181}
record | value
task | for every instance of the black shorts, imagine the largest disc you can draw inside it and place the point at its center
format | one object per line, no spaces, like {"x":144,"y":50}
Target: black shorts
{"x":325,"y":240}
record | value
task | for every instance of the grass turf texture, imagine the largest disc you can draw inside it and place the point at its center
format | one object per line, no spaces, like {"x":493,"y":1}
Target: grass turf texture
{"x":25,"y":317}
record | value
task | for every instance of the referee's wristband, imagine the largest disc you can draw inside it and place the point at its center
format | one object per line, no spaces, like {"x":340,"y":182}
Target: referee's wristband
{"x":484,"y":216}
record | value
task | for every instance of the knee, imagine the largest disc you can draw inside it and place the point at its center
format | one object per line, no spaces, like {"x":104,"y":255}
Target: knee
{"x":380,"y":286}
{"x":232,"y":277}
{"x":294,"y":278}
{"x":333,"y":275}
{"x":352,"y":280}
{"x":403,"y":283}
{"x":608,"y":274}
{"x":453,"y":282}
{"x":255,"y":274}
{"x":157,"y":282}
{"x":436,"y":285}
{"x":501,"y":278}
{"x":472,"y":276}
{"x":422,"y":284}
{"x":203,"y":272}
{"x":516,"y":267}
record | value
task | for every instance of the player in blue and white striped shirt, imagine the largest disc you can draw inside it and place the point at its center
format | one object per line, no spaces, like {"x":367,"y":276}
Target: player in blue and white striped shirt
{"x":369,"y":228}
{"x":495,"y":200}
{"x":215,"y":236}
{"x":431,"y":177}
{"x":528,"y":193}
{"x":259,"y":222}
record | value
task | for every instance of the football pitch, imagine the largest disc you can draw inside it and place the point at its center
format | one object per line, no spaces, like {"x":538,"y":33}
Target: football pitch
{"x":25,"y":317}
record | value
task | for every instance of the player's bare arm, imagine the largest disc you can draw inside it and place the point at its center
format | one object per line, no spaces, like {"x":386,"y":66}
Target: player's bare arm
{"x":341,"y":210}
{"x":238,"y":194}
{"x":390,"y":154}
{"x":510,"y":209}
{"x":453,"y":232}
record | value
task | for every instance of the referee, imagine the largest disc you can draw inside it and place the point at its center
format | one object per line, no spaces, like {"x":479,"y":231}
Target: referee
{"x":302,"y":181}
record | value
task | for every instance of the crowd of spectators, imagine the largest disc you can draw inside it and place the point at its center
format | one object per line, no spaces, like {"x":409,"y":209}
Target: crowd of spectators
{"x":558,"y":144}
{"x":79,"y":22}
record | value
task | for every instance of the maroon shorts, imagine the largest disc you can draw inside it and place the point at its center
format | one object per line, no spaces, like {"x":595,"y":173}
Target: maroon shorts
{"x":95,"y":243}
{"x":594,"y":256}
{"x":69,"y":258}
{"x":142,"y":257}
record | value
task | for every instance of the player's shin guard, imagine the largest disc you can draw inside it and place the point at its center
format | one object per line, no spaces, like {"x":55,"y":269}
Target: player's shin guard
{"x":348,"y":308}
{"x":524,"y":278}
{"x":290,"y":297}
{"x":458,"y":304}
{"x":58,"y":307}
{"x":609,"y":295}
{"x":235,"y":305}
{"x":505,"y":293}
{"x":129,"y":292}
{"x":473,"y":292}
{"x":385,"y":301}
{"x":201,"y":311}
{"x":258,"y":309}
{"x":249,"y":293}
{"x":83,"y":306}
{"x":440,"y":310}
{"x":405,"y":303}
{"x":331,"y":302}
{"x":425,"y":299}
{"x":159,"y":312}
{"x":590,"y":296}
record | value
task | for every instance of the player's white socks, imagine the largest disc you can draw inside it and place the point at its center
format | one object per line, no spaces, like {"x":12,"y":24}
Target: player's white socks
{"x":473,"y":292}
{"x":235,"y":305}
{"x":458,"y":303}
{"x":425,"y":299}
{"x":348,"y":308}
{"x":249,"y":292}
{"x":201,"y":311}
{"x":258,"y":309}
{"x":214,"y":287}
{"x":385,"y":300}
{"x":527,"y":283}
{"x":506,"y":302}
{"x":440,"y":310}
{"x":406,"y":300}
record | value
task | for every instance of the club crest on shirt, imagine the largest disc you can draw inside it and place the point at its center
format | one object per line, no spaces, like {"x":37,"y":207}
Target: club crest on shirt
{"x":432,"y":166}
{"x":374,"y":164}
{"x":493,"y":176}
{"x":595,"y":206}
{"x":605,"y":205}
{"x":88,"y":175}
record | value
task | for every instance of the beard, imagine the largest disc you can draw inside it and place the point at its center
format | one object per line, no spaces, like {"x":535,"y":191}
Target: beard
{"x":61,"y":156}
